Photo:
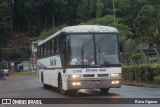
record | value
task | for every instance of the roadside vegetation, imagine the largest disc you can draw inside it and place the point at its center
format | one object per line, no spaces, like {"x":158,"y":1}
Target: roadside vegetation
{"x":141,"y":73}
{"x":138,"y":22}
{"x":26,"y":73}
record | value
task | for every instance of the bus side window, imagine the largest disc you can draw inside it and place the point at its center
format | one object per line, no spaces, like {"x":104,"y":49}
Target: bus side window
{"x":56,"y":44}
{"x":37,"y":55}
{"x":43,"y":50}
{"x":52,"y":50}
{"x":63,"y":43}
{"x":40,"y":54}
{"x":48,"y":48}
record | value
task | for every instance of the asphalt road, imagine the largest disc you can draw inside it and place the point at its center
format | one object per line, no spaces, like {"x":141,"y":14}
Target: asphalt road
{"x":30,"y":87}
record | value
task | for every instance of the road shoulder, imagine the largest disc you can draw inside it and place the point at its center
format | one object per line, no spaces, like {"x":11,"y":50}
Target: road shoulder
{"x":142,"y":84}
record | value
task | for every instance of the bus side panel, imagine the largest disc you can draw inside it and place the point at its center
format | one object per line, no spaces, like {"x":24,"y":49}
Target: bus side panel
{"x":50,"y":68}
{"x":65,"y":81}
{"x":54,"y":77}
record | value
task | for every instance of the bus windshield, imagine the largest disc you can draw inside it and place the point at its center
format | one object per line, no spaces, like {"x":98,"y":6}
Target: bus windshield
{"x":90,"y":49}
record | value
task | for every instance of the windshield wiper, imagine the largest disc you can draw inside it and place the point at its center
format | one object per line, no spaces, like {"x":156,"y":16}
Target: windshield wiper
{"x":82,"y":52}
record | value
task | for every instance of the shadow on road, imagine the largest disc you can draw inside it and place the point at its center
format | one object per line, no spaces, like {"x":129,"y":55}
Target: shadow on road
{"x":86,"y":93}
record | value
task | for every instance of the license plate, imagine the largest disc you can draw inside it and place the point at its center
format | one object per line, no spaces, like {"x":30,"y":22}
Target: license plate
{"x":96,"y":82}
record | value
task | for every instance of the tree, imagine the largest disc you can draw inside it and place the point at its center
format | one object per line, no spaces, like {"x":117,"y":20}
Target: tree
{"x":147,"y":25}
{"x":155,"y":29}
{"x":99,"y":9}
{"x":86,"y":10}
{"x":108,"y":20}
{"x":129,"y":49}
{"x":4,"y":15}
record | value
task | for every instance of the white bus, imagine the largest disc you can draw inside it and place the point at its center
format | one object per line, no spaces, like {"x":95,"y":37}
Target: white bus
{"x":80,"y":57}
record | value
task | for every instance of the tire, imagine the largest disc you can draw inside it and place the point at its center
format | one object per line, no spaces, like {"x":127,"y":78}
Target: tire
{"x":104,"y":90}
{"x":42,"y":81}
{"x":60,"y":84}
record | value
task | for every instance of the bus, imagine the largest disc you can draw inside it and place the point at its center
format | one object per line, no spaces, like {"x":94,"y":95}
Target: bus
{"x":80,"y":57}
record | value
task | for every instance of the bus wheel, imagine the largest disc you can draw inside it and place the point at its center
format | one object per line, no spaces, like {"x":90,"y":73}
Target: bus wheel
{"x":42,"y":81}
{"x":104,"y":90}
{"x":60,"y":84}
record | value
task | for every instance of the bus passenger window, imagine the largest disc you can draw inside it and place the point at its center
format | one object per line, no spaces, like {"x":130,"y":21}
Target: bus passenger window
{"x":56,"y":45}
{"x":52,"y":49}
{"x":43,"y":51}
{"x":48,"y":49}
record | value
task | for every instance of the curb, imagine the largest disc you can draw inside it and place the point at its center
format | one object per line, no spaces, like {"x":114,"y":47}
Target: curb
{"x":141,"y":85}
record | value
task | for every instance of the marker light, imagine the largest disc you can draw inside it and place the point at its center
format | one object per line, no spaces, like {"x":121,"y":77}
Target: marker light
{"x":74,"y":76}
{"x":115,"y":75}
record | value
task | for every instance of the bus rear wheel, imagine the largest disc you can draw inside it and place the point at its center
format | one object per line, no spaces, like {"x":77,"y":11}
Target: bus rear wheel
{"x":104,"y":90}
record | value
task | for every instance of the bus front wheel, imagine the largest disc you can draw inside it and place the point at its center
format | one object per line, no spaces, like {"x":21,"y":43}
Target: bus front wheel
{"x":42,"y":81}
{"x":60,"y":84}
{"x":104,"y":90}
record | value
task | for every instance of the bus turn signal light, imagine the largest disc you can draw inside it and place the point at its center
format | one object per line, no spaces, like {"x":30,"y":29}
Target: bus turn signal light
{"x":115,"y":75}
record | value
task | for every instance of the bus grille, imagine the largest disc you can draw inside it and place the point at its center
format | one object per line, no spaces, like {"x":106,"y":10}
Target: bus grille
{"x":88,"y":75}
{"x":103,"y":75}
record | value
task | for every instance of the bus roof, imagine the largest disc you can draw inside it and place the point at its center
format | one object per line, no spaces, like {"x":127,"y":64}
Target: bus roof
{"x":82,"y":29}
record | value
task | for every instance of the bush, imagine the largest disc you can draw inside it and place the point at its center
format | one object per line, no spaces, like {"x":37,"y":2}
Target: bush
{"x":157,"y":78}
{"x":141,"y":73}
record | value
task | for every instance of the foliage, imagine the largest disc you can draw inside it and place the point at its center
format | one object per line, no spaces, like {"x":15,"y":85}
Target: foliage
{"x":51,"y":31}
{"x":4,"y":18}
{"x":137,"y":56}
{"x":136,"y":19}
{"x":108,"y":21}
{"x":147,"y":25}
{"x":18,"y":55}
{"x":141,"y":73}
{"x":128,"y":49}
{"x":157,"y":78}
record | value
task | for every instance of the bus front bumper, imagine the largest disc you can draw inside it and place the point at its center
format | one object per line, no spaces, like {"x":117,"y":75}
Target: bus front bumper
{"x":93,"y":83}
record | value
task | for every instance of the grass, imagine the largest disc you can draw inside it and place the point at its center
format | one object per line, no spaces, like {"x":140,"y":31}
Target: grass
{"x":23,"y":73}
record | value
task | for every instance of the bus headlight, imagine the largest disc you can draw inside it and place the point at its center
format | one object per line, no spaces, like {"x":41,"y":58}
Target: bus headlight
{"x":115,"y":82}
{"x":74,"y":76}
{"x":115,"y":75}
{"x":76,"y":83}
